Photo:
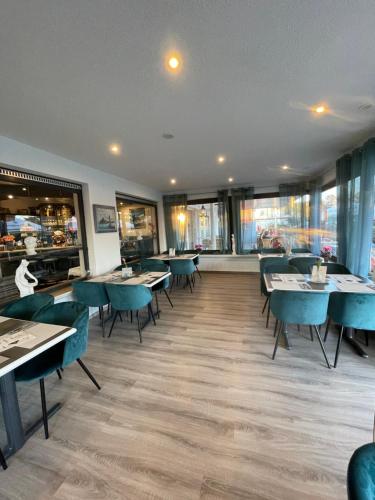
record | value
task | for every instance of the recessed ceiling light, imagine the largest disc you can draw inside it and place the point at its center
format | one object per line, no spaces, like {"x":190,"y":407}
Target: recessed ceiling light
{"x":36,"y":199}
{"x":284,"y":167}
{"x":221,"y":159}
{"x":167,"y":136}
{"x":230,"y":179}
{"x":173,"y":181}
{"x":115,"y":149}
{"x":173,"y":62}
{"x":24,"y":189}
{"x":10,"y":196}
{"x":320,"y":109}
{"x":46,"y":198}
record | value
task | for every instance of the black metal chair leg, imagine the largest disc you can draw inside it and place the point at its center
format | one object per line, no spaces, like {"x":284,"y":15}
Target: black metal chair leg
{"x":3,"y":461}
{"x":199,"y":274}
{"x":327,"y":328}
{"x":322,"y":346}
{"x":268,"y":313}
{"x":275,"y":329}
{"x":277,"y":340}
{"x":44,"y":407}
{"x":139,"y":328}
{"x":59,"y":373}
{"x":311,"y":333}
{"x":189,"y":283}
{"x":88,"y":373}
{"x":168,"y":297}
{"x":172,"y":284}
{"x":265,"y":304}
{"x":366,"y":337}
{"x":338,"y":346}
{"x":157,"y":305}
{"x":103,"y":327}
{"x":113,"y":323}
{"x":152,"y":313}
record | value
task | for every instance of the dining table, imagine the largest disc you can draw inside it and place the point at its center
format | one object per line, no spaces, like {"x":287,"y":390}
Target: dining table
{"x":343,"y":283}
{"x":166,"y":257}
{"x":21,"y":341}
{"x":148,"y":279}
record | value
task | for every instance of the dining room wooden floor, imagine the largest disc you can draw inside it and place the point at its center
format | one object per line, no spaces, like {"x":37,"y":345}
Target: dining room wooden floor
{"x":199,"y":410}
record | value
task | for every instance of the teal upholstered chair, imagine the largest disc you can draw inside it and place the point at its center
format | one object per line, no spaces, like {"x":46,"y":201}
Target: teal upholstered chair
{"x":273,"y":250}
{"x":183,"y":267}
{"x":125,"y":298}
{"x":195,"y":260}
{"x":351,"y":310}
{"x":301,"y":250}
{"x":158,"y":265}
{"x":335,"y":268}
{"x":361,"y":473}
{"x":70,"y":314}
{"x":300,"y":308}
{"x":93,"y":295}
{"x":262,"y":264}
{"x":275,"y":267}
{"x":26,"y":307}
{"x":303,"y":264}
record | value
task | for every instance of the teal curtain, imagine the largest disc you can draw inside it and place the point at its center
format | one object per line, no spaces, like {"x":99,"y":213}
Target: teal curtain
{"x":315,"y":190}
{"x":355,"y":177}
{"x":244,"y":226}
{"x":175,"y":216}
{"x":294,"y":211}
{"x":223,"y":216}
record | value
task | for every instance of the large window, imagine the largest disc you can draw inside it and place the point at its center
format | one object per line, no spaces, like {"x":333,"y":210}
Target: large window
{"x":40,"y":220}
{"x":203,"y":226}
{"x":138,"y":230}
{"x":328,"y":218}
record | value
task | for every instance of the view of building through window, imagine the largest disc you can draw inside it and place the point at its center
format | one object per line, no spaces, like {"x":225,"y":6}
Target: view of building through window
{"x":328,"y":218}
{"x":203,"y":227}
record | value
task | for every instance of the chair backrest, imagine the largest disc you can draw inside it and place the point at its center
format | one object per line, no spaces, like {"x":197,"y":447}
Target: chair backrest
{"x":182,"y":266}
{"x":128,"y":297}
{"x":335,"y":268}
{"x":154,"y":265}
{"x":361,"y":473}
{"x":280,"y":268}
{"x":353,"y":310}
{"x":301,"y":308}
{"x":26,"y":307}
{"x":90,"y":293}
{"x":301,"y":250}
{"x":72,"y":314}
{"x":273,"y":250}
{"x":266,"y":261}
{"x":303,"y":264}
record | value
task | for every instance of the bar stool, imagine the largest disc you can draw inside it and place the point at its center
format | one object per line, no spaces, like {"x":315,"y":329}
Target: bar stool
{"x":50,"y":264}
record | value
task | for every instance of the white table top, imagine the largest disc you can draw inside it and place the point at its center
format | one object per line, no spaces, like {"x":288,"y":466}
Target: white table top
{"x":165,"y":256}
{"x":334,"y":283}
{"x":22,"y":340}
{"x":148,"y":279}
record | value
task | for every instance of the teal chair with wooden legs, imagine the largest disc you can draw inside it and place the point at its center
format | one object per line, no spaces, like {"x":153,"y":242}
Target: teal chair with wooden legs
{"x":158,"y":265}
{"x":276,"y":268}
{"x":361,"y":473}
{"x":63,"y":354}
{"x":351,"y":310}
{"x":299,"y":308}
{"x":129,"y":298}
{"x":183,"y":267}
{"x":93,"y":295}
{"x":300,"y":250}
{"x":273,"y":250}
{"x":303,"y":264}
{"x":26,"y":307}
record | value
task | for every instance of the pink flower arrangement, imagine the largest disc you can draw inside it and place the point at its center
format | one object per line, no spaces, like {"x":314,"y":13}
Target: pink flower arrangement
{"x":198,"y":247}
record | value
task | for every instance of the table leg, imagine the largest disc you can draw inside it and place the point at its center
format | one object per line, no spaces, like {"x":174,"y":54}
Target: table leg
{"x":285,"y":332}
{"x":11,"y":414}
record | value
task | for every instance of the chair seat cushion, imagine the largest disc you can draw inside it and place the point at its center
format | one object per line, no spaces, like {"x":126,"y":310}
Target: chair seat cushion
{"x":361,"y":473}
{"x":42,"y":365}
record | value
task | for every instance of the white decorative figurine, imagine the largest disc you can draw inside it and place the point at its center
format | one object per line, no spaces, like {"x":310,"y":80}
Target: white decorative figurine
{"x":30,"y":243}
{"x":233,"y":245}
{"x":24,"y":286}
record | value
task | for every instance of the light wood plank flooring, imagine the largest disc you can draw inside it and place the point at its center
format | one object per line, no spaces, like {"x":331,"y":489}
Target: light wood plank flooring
{"x":199,"y":410}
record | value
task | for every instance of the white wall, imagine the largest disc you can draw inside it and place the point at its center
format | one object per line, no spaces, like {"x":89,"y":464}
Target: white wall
{"x":98,"y":187}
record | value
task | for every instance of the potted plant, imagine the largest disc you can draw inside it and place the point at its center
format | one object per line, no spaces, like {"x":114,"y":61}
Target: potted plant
{"x":326,"y":253}
{"x":198,"y":248}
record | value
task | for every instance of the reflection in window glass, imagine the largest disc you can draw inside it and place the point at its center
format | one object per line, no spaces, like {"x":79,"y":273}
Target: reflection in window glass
{"x":328,"y":219}
{"x":203,"y":227}
{"x":137,"y":229}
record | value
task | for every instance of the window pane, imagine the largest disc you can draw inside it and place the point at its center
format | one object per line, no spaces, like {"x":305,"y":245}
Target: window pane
{"x":137,"y":229}
{"x":328,"y":219}
{"x":203,"y":227}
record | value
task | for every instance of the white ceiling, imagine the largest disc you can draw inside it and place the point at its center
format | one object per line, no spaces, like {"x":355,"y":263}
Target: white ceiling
{"x":76,"y":75}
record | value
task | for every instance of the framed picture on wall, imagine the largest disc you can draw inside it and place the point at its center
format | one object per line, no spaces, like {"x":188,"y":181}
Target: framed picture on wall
{"x":105,"y":219}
